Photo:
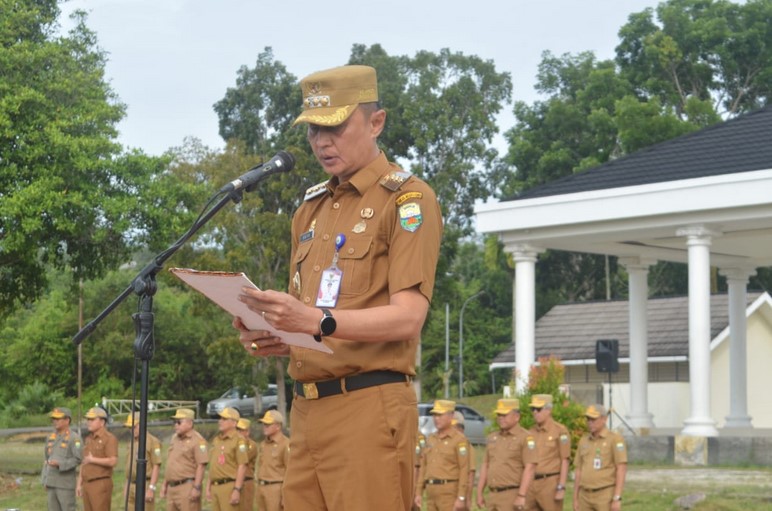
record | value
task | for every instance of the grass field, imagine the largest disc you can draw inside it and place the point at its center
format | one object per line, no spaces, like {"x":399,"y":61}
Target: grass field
{"x":649,"y":488}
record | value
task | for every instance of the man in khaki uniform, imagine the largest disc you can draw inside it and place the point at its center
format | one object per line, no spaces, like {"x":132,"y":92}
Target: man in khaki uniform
{"x":420,"y":445}
{"x":100,"y":455}
{"x":553,"y":446}
{"x":185,"y":465}
{"x":601,"y":465}
{"x":247,"y":502}
{"x":153,"y":468}
{"x":373,"y":232}
{"x":62,"y":457}
{"x":273,"y":455}
{"x":227,"y":464}
{"x":458,"y":423}
{"x":510,"y":461}
{"x":445,"y":465}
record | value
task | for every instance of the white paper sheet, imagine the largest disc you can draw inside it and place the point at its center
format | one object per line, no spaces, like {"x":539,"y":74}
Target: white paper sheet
{"x":224,"y":288}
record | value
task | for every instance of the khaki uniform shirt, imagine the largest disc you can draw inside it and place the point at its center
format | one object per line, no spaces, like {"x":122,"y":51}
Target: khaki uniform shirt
{"x":228,"y":452}
{"x":597,"y":458}
{"x":251,"y":458}
{"x":553,"y":445}
{"x":65,"y":448}
{"x":419,"y":448}
{"x":507,"y":453}
{"x":101,"y":444}
{"x":446,"y":457}
{"x":272,"y":459}
{"x":185,"y":454}
{"x":152,"y":455}
{"x":393,"y":227}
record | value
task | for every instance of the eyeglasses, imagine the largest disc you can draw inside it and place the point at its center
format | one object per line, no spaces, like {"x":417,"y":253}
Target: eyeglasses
{"x":177,"y":422}
{"x":590,"y":419}
{"x":534,"y":409}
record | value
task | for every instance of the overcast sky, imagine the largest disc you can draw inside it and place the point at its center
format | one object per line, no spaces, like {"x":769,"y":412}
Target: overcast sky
{"x":171,"y":60}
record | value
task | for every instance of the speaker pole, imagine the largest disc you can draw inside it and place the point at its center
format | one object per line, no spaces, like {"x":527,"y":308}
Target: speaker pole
{"x":610,"y":403}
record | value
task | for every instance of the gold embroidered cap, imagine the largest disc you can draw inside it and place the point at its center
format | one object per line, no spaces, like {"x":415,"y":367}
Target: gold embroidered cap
{"x":272,"y":417}
{"x":443,"y":406}
{"x":541,"y":400}
{"x":595,"y":411}
{"x":243,"y":424}
{"x":132,"y":419}
{"x":184,"y":413}
{"x":95,"y":412}
{"x":504,"y":406}
{"x":60,"y":413}
{"x":332,"y":95}
{"x":230,"y":413}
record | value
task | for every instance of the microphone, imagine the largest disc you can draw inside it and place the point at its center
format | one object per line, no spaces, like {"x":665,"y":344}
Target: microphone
{"x":281,"y":162}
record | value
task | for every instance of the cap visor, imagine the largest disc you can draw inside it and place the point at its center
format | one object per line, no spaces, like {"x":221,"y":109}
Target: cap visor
{"x":326,"y":116}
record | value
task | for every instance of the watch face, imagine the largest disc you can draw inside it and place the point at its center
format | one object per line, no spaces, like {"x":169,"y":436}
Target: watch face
{"x":328,"y":324}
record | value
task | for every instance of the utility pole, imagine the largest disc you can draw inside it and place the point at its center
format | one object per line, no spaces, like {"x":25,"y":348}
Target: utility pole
{"x":461,"y":344}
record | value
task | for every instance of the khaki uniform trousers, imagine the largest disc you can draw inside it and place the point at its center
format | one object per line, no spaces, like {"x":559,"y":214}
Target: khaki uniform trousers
{"x":247,"y":502}
{"x":149,"y":506}
{"x":61,"y":499}
{"x":221,"y":497}
{"x":97,"y":494}
{"x":501,"y":500}
{"x":441,"y":497}
{"x":353,"y":451}
{"x":598,"y":500}
{"x":269,"y":497}
{"x":178,"y":498}
{"x":541,"y":495}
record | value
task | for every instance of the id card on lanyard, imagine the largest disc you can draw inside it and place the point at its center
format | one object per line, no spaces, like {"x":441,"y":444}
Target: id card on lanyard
{"x":329,"y":287}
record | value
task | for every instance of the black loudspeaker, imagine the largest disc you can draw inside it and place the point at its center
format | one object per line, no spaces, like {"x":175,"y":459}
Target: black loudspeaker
{"x":607,"y":356}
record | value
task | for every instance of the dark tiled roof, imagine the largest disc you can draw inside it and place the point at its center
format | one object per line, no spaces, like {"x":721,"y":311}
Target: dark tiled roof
{"x":570,"y":331}
{"x":741,"y":144}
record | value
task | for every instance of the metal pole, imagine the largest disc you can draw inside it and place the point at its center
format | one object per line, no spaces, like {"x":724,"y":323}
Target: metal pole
{"x":461,"y":344}
{"x":446,"y":379}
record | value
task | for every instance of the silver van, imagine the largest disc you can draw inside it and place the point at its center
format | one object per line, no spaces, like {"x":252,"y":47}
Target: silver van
{"x":243,"y":402}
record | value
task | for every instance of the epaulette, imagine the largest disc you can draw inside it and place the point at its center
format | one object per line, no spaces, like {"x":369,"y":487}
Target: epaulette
{"x":315,"y":191}
{"x":394,"y":180}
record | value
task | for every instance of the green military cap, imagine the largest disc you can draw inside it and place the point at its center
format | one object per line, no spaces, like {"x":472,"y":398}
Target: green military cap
{"x":332,"y":95}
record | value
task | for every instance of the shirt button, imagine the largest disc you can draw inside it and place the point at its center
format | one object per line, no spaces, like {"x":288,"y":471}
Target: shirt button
{"x":317,"y":267}
{"x":326,"y":237}
{"x":350,"y":250}
{"x":298,"y":364}
{"x":336,"y":205}
{"x":307,"y":299}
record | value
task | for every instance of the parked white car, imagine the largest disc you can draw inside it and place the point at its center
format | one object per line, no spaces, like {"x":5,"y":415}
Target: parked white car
{"x":243,"y":402}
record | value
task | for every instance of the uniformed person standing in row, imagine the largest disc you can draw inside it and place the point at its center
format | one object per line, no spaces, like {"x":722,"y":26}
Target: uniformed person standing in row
{"x":62,"y":457}
{"x":419,"y":449}
{"x":227,"y":464}
{"x":553,"y":445}
{"x":444,"y":469}
{"x":458,"y":423}
{"x":153,"y":467}
{"x":247,"y":502}
{"x":273,"y":455}
{"x":370,"y":234}
{"x":510,"y":461}
{"x":100,"y":455}
{"x":601,"y":465}
{"x":185,"y":465}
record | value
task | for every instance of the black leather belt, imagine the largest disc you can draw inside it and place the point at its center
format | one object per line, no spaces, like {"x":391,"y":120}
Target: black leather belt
{"x":263,"y":482}
{"x":545,"y":476}
{"x":218,"y":482}
{"x":503,"y":488}
{"x":328,"y":388}
{"x":440,"y":481}
{"x":593,"y":490}
{"x":177,"y":483}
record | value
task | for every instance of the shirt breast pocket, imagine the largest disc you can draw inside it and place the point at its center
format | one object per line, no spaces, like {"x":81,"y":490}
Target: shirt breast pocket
{"x":354,"y":260}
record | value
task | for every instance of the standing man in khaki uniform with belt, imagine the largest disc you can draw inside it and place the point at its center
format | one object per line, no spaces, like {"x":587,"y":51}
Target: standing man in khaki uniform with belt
{"x":553,"y":445}
{"x":153,"y":457}
{"x":445,"y":464}
{"x":509,"y":463}
{"x":227,"y":464}
{"x":185,"y":465}
{"x":601,"y":465}
{"x":100,"y":455}
{"x":247,"y":502}
{"x":62,"y":457}
{"x":458,"y":423}
{"x":370,"y":234}
{"x":273,"y":455}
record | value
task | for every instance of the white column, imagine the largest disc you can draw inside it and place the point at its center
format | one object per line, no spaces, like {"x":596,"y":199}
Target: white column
{"x":737,"y":280}
{"x":638,"y":271}
{"x":525,"y":311}
{"x":700,"y":422}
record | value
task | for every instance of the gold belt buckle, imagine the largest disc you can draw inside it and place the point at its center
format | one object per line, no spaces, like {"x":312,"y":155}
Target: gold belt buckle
{"x":310,"y":391}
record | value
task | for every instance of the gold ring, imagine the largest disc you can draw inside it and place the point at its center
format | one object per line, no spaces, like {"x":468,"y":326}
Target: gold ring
{"x":263,"y":314}
{"x":254,"y":346}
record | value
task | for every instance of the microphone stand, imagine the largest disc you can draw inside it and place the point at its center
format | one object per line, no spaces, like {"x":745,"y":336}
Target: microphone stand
{"x":144,"y":285}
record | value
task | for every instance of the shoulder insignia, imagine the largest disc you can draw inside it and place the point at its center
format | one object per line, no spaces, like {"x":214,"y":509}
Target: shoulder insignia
{"x":394,"y":180}
{"x":462,"y":448}
{"x":202,"y":447}
{"x":410,"y":216}
{"x":77,"y":444}
{"x":563,"y":439}
{"x":242,"y":447}
{"x":620,"y":446}
{"x":407,"y":196}
{"x":530,"y":442}
{"x":157,"y":451}
{"x":315,"y":191}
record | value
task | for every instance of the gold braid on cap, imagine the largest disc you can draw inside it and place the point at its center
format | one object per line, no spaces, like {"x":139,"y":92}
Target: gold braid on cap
{"x":339,"y":116}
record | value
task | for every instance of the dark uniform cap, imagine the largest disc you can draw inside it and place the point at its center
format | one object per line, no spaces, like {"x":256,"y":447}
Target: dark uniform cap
{"x":60,"y":413}
{"x":332,"y":95}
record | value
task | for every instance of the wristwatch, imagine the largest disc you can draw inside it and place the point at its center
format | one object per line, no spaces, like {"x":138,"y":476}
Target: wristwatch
{"x":560,"y":487}
{"x":462,"y":498}
{"x":618,"y":498}
{"x":327,"y":325}
{"x":151,"y":486}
